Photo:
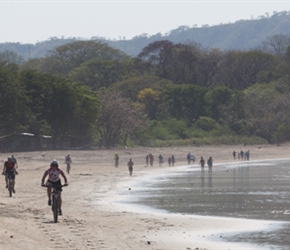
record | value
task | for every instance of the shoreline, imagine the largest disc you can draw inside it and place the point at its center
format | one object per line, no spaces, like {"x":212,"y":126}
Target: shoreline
{"x":212,"y":231}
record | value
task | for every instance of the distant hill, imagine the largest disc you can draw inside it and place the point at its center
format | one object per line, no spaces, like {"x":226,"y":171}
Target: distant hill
{"x":241,"y":35}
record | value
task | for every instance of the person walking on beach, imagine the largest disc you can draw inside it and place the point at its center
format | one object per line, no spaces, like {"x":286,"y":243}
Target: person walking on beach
{"x":234,"y":155}
{"x":151,"y":159}
{"x":116,"y":158}
{"x":15,"y":161}
{"x":169,"y":161}
{"x":202,"y":162}
{"x":172,"y":160}
{"x":160,"y":157}
{"x":209,"y":163}
{"x":242,"y":155}
{"x":188,"y":158}
{"x":130,"y":167}
{"x":147,"y":160}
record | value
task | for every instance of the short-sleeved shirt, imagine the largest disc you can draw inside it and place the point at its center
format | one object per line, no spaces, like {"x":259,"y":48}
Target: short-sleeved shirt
{"x":53,"y":175}
{"x":9,"y":167}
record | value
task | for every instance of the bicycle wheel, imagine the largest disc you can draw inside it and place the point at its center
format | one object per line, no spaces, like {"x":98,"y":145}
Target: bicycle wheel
{"x":55,"y":208}
{"x":10,"y":187}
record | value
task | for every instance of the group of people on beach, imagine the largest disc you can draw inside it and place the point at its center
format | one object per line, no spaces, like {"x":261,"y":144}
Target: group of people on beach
{"x":150,"y":160}
{"x":209,"y":163}
{"x":242,"y":155}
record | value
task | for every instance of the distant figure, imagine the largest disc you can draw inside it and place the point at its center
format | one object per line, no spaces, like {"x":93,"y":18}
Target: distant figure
{"x":169,"y":161}
{"x":172,"y":160}
{"x":234,"y":155}
{"x":15,"y":161}
{"x":151,"y":159}
{"x":242,"y":155}
{"x":160,"y":157}
{"x":68,"y":162}
{"x":130,"y":167}
{"x":116,"y":158}
{"x":188,"y":158}
{"x":147,"y":160}
{"x":202,"y":162}
{"x":210,"y":163}
{"x":248,"y":155}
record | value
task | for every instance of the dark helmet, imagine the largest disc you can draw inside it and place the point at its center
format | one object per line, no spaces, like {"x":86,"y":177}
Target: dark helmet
{"x":54,"y":163}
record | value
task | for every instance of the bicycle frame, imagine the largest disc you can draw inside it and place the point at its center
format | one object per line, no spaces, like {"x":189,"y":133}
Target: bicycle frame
{"x":55,"y":203}
{"x":55,"y":195}
{"x":10,"y":184}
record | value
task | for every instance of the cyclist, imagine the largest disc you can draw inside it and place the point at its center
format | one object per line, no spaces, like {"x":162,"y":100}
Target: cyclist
{"x":53,"y":174}
{"x":10,"y":170}
{"x":15,"y":161}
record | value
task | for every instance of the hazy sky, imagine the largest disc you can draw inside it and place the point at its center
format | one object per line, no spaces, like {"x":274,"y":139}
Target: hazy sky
{"x":35,"y":21}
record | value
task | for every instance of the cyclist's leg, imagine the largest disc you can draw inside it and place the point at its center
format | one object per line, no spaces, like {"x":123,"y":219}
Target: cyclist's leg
{"x":59,"y":201}
{"x":49,"y":188}
{"x":6,"y":180}
{"x":13,"y":181}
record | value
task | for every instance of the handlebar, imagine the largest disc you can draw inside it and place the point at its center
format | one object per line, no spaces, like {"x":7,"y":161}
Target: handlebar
{"x":8,"y":174}
{"x":64,"y":185}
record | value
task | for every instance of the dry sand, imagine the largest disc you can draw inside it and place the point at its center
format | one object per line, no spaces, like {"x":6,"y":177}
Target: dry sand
{"x":91,"y":220}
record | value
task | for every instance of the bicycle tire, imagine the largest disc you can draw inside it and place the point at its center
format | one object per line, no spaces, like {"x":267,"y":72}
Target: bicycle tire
{"x":10,"y":188}
{"x":55,"y":208}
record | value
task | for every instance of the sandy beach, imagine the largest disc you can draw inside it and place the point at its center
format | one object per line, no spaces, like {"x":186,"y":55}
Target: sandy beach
{"x":91,"y":217}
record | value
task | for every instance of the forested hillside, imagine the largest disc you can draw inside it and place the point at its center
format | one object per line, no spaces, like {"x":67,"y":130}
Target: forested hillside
{"x":241,"y":35}
{"x":90,"y":93}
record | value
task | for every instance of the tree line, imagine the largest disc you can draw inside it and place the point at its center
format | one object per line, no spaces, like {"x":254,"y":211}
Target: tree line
{"x":90,"y":93}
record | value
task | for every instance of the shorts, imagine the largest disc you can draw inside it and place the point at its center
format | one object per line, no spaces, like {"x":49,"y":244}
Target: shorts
{"x":56,"y":184}
{"x":10,"y":175}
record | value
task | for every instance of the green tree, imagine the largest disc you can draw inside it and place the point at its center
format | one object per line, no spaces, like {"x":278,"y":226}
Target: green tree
{"x":66,"y":58}
{"x":216,"y":99}
{"x":150,"y":99}
{"x":185,"y":102}
{"x":60,"y":108}
{"x":97,"y":73}
{"x":13,"y":109}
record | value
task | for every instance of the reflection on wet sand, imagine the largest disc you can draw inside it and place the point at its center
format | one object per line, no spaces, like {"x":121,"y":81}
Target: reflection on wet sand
{"x":203,"y":175}
{"x":245,"y":190}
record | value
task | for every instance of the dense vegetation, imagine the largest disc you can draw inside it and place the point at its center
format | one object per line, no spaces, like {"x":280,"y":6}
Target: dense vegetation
{"x":87,"y":92}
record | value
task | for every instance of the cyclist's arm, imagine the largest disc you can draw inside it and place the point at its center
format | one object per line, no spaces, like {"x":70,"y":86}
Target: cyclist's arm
{"x":4,"y":169}
{"x":43,"y":178}
{"x":64,"y":177}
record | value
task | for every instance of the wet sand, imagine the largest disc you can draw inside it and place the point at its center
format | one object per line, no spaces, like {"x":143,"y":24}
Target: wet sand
{"x":250,"y":190}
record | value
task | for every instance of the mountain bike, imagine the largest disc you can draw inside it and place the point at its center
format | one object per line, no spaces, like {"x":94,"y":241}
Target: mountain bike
{"x":55,"y":194}
{"x":10,"y":183}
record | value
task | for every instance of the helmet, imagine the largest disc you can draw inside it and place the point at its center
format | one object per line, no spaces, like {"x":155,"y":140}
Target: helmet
{"x":10,"y":158}
{"x":54,"y":163}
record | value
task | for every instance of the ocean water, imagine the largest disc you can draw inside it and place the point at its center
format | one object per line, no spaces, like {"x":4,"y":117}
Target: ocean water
{"x":242,"y":189}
